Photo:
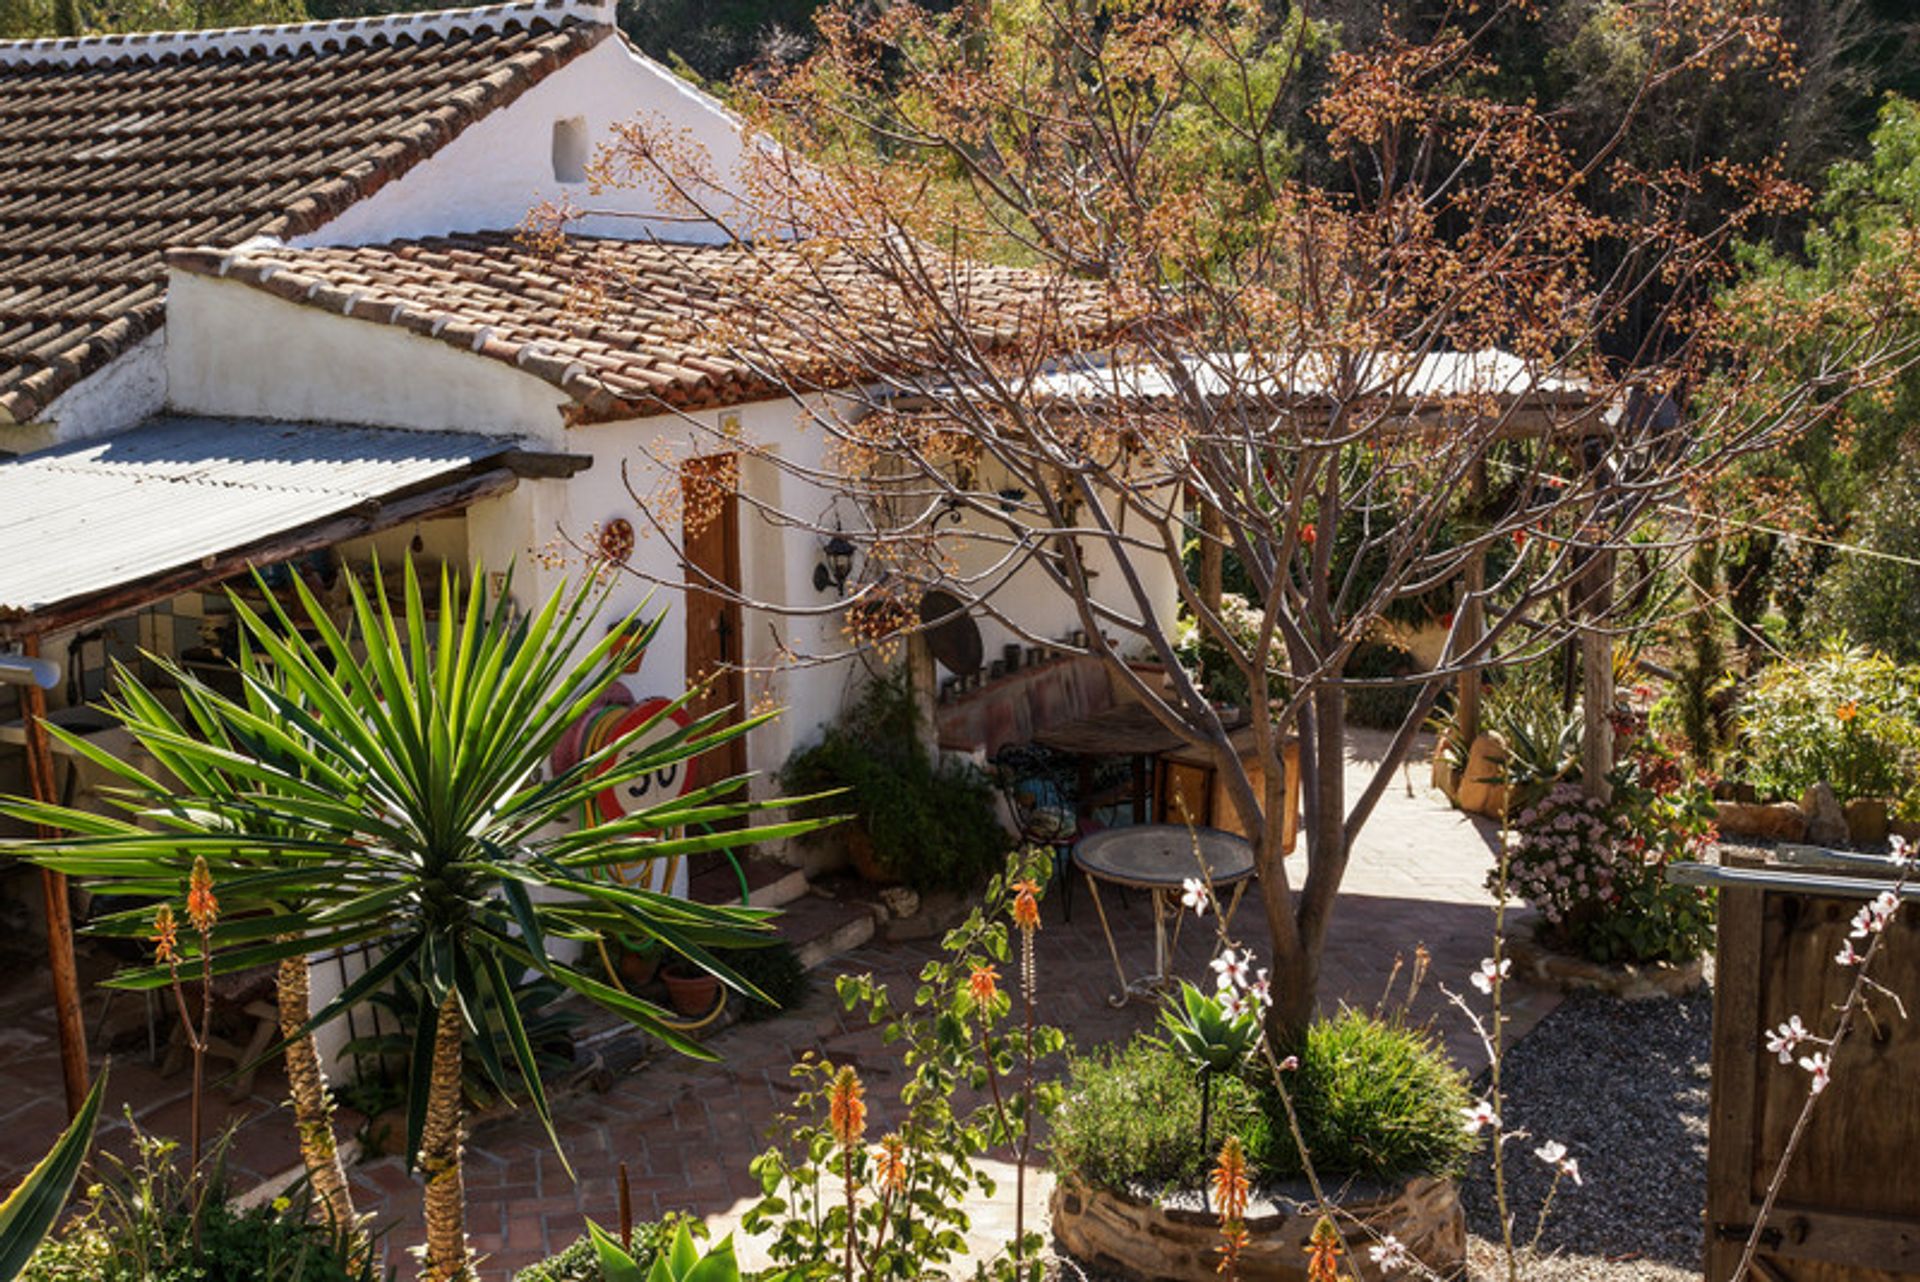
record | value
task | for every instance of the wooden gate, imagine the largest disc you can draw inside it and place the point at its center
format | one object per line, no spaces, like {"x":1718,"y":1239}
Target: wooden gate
{"x":1849,"y":1208}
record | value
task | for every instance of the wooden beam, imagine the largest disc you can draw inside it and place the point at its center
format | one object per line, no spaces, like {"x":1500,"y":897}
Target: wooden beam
{"x":542,"y":465}
{"x":65,"y":973}
{"x":363,"y":519}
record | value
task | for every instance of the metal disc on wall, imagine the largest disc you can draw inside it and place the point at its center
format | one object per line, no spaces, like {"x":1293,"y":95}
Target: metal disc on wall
{"x":953,"y":638}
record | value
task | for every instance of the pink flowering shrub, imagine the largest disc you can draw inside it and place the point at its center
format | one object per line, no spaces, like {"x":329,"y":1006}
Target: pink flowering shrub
{"x":1597,"y":872}
{"x":1562,"y":857}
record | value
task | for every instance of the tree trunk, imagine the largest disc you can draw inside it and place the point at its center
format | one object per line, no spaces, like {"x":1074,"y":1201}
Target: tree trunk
{"x":445,"y":1203}
{"x":1296,"y":972}
{"x":1213,"y":532}
{"x":312,"y":1106}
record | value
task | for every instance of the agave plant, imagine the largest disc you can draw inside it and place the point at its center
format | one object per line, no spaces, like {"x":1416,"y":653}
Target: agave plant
{"x":1212,"y":1037}
{"x":385,"y":783}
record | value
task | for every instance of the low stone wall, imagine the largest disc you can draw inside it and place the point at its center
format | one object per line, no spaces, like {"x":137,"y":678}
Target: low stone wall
{"x":1532,"y":962}
{"x":1131,"y":1237}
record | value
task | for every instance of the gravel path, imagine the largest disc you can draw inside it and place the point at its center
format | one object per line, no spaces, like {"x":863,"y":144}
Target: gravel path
{"x":1624,"y":1086}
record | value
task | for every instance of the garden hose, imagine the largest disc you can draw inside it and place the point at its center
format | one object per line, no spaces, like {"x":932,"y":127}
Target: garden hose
{"x":598,"y":732}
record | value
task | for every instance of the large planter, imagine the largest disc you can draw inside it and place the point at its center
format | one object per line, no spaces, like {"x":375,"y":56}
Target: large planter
{"x":1534,"y":962}
{"x":865,"y":860}
{"x":1131,"y":1237}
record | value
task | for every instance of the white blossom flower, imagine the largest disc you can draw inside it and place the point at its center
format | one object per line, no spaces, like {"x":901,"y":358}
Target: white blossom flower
{"x":1290,"y":1063}
{"x":1902,"y":853}
{"x":1819,"y":1065}
{"x":1848,"y":956}
{"x":1391,"y":1254}
{"x":1483,"y":979}
{"x":1480,"y":1115}
{"x":1554,"y":1154}
{"x":1230,"y":970}
{"x":1873,"y":917}
{"x":1233,"y":1003}
{"x":1785,"y":1039}
{"x":1195,"y":895}
{"x":1260,"y":991}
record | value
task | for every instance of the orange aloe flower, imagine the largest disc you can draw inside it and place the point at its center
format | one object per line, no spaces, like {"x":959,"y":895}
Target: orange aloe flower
{"x":202,"y":908}
{"x":1847,"y":711}
{"x":1230,"y":1189}
{"x":847,"y":1108}
{"x":1323,"y":1253}
{"x":1026,"y":905}
{"x":984,"y":985}
{"x":166,"y":936}
{"x":890,"y":1165}
{"x":1230,"y":1183}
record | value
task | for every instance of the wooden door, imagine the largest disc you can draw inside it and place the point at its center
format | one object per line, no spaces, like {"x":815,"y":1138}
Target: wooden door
{"x":1849,"y":1209}
{"x":711,"y":540}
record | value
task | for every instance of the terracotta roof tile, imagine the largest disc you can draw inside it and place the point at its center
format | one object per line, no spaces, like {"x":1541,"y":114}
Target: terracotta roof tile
{"x":115,"y":148}
{"x":662,"y":326}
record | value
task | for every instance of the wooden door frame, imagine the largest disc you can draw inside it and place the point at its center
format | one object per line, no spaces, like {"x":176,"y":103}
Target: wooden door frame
{"x":732,"y":650}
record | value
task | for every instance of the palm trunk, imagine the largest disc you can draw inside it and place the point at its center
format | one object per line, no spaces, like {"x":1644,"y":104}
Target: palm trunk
{"x":312,"y":1106}
{"x":447,"y":1259}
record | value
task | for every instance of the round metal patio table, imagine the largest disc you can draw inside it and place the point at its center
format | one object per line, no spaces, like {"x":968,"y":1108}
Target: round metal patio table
{"x":1158,"y":858}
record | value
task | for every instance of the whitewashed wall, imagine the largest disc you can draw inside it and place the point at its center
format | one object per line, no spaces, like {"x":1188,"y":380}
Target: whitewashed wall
{"x":502,"y":166}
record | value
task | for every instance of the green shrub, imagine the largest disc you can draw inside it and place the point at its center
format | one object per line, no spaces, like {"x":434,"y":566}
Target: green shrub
{"x":1874,"y":600}
{"x":1376,"y":1098}
{"x":1849,"y":717}
{"x":1131,"y":1118}
{"x":1220,"y":678}
{"x":932,"y":824}
{"x":581,"y":1263}
{"x":136,"y":1224}
{"x":775,"y":971}
{"x":1380,"y":707}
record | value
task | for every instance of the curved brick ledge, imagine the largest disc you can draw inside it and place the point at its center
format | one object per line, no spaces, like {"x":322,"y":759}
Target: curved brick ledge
{"x":1537,"y":964}
{"x":1131,"y":1237}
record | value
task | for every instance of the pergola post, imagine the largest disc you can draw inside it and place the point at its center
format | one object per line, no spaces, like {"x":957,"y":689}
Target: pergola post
{"x":1472,"y":623}
{"x":60,"y":962}
{"x":1596,"y":673}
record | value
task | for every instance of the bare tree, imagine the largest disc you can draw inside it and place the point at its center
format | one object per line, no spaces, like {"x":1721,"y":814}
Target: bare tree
{"x":1194,"y":361}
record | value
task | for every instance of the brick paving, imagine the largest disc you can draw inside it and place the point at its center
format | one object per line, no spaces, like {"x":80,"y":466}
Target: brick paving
{"x":688,"y":1130}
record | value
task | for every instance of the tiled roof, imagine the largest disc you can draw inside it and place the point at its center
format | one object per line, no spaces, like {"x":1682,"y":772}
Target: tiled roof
{"x":115,"y":148}
{"x":626,"y":328}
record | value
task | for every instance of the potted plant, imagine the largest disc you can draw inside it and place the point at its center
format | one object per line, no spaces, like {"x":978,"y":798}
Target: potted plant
{"x":692,"y":991}
{"x":915,"y":819}
{"x":1378,"y":1105}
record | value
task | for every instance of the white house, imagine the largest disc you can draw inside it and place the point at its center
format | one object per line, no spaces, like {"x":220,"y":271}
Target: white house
{"x":262,"y":296}
{"x":315,"y":225}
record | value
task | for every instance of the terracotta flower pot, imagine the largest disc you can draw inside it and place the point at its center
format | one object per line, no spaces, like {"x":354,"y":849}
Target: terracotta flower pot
{"x":638,"y":969}
{"x":692,"y":992}
{"x":865,"y":861}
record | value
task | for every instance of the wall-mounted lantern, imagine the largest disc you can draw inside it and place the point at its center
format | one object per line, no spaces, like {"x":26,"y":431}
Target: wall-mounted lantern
{"x":836,"y":565}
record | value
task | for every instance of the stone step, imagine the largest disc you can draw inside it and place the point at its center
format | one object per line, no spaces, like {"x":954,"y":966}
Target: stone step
{"x":769,"y":884}
{"x":821,"y":928}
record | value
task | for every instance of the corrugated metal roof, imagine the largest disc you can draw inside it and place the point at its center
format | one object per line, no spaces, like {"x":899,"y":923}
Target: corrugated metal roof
{"x":1430,"y":376}
{"x":83,"y":518}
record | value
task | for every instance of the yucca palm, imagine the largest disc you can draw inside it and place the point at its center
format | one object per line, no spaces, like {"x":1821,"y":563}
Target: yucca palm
{"x":385,"y":784}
